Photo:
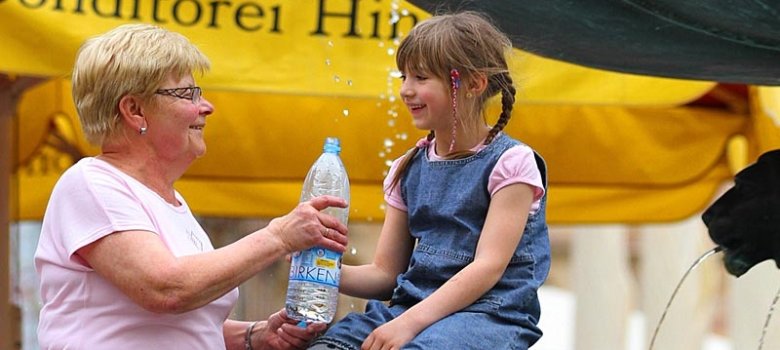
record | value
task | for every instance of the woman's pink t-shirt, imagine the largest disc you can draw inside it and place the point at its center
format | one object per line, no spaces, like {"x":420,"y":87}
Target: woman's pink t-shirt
{"x":81,"y":309}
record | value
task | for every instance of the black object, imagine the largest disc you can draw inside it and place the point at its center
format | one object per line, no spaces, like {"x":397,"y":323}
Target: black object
{"x":714,"y":40}
{"x":745,"y":221}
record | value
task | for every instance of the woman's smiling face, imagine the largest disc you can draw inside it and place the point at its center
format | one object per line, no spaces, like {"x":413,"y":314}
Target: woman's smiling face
{"x":176,"y":123}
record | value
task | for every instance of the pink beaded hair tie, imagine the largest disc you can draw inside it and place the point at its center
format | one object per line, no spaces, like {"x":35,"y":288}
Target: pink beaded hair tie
{"x":455,"y":78}
{"x":423,"y":143}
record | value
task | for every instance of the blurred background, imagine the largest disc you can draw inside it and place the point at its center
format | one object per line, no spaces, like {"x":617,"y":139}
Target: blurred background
{"x":633,"y":158}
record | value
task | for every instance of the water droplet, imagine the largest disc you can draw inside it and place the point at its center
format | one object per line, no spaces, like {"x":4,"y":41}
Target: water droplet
{"x":382,"y":206}
{"x":391,"y":123}
{"x":388,"y":162}
{"x":395,"y":73}
{"x":405,"y":12}
{"x":336,"y":78}
{"x":389,"y":143}
{"x":403,"y":136}
{"x":330,"y":43}
{"x":381,"y":154}
{"x":391,"y":51}
{"x":349,"y":82}
{"x":353,"y":251}
{"x":381,"y":44}
{"x":327,"y":61}
{"x":345,"y":112}
{"x":394,"y":17}
{"x":391,"y":98}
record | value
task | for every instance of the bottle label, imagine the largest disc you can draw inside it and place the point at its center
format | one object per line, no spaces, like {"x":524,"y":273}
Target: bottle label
{"x":316,"y":265}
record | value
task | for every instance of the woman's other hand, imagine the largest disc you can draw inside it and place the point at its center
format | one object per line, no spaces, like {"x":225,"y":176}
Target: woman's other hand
{"x":281,"y":333}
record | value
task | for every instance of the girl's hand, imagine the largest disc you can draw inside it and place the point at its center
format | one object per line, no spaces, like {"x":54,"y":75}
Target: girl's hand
{"x":389,"y":336}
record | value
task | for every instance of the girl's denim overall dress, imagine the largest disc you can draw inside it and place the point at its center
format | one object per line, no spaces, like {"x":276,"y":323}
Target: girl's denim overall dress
{"x":447,"y":205}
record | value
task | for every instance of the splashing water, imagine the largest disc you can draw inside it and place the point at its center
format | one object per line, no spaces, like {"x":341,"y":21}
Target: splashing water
{"x":768,"y":318}
{"x":676,"y":289}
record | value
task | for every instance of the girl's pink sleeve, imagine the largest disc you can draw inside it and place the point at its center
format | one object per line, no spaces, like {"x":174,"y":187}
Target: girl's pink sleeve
{"x":517,"y":165}
{"x":393,"y":195}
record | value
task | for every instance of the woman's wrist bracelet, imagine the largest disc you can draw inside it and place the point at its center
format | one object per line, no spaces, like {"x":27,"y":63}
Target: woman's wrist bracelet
{"x":248,"y":336}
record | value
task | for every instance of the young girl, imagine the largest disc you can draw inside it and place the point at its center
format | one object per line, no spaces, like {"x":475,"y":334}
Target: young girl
{"x":464,"y":245}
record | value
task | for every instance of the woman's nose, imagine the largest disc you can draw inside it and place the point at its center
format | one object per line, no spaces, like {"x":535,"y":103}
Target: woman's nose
{"x":206,"y":108}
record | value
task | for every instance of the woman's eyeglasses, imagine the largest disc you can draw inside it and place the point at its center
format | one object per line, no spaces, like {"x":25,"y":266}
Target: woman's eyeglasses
{"x":191,"y":93}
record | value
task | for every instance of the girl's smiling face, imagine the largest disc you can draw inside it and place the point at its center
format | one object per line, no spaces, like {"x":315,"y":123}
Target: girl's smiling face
{"x":428,"y":99}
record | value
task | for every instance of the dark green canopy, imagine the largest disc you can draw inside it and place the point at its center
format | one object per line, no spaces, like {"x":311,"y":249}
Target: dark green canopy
{"x":728,"y":41}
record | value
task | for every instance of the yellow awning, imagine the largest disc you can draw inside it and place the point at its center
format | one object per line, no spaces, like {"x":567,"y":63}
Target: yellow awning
{"x":620,"y":147}
{"x":310,"y":48}
{"x":607,"y":163}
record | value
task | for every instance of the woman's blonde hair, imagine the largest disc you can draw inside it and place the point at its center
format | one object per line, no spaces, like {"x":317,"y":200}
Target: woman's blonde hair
{"x":130,"y":59}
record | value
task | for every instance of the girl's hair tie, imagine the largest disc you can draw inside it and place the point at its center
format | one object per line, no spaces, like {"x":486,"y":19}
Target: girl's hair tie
{"x":423,"y":143}
{"x":455,"y":76}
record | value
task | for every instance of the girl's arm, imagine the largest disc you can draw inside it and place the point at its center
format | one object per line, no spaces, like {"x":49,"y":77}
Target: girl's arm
{"x":506,"y":219}
{"x":394,"y":248}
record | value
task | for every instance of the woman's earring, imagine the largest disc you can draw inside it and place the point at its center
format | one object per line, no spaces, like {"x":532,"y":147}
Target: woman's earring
{"x":469,"y":95}
{"x":142,"y":131}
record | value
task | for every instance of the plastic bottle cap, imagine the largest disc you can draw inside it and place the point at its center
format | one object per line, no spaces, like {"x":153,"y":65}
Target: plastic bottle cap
{"x":332,"y":145}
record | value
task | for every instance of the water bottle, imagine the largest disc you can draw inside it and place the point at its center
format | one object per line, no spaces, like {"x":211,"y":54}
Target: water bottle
{"x":313,"y":286}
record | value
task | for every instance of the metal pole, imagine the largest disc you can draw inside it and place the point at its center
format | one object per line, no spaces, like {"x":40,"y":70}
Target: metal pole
{"x":11,"y":89}
{"x":8,"y":317}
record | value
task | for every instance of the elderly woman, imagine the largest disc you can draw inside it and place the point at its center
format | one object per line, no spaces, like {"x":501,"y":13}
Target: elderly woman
{"x":122,"y":261}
